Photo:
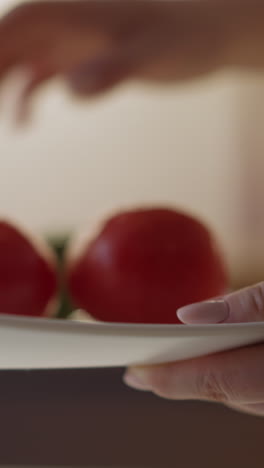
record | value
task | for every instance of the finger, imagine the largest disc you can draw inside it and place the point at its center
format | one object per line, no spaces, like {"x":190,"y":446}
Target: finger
{"x":39,"y":75}
{"x":28,"y":32}
{"x":246,"y":305}
{"x":15,"y":38}
{"x":99,"y":75}
{"x":253,"y":410}
{"x":235,"y":377}
{"x":7,"y":64}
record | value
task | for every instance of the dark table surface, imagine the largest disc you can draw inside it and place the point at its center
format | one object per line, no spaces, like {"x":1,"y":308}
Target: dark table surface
{"x":89,"y":418}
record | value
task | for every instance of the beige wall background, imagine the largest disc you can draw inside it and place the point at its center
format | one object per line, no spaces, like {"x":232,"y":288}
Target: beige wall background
{"x":193,"y":146}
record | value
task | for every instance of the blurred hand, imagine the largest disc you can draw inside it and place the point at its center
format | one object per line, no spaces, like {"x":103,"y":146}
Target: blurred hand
{"x":235,"y":378}
{"x":98,"y":44}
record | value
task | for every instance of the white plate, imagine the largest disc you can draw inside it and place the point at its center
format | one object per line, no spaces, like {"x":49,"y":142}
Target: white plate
{"x":27,"y":343}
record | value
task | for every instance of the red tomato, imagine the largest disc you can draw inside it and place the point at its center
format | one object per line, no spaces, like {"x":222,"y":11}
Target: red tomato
{"x":28,"y":276}
{"x":145,"y":264}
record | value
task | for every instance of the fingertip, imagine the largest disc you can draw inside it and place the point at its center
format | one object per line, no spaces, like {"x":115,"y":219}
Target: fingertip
{"x":136,"y":378}
{"x":202,"y":313}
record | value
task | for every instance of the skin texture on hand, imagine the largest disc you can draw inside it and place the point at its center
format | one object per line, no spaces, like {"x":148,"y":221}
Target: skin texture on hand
{"x":234,"y":378}
{"x":95,"y":45}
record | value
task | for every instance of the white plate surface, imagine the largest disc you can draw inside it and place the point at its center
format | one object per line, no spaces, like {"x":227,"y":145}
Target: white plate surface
{"x":45,"y":344}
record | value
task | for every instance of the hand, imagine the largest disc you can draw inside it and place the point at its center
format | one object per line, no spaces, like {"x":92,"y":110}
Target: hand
{"x":235,"y":378}
{"x":96,"y":45}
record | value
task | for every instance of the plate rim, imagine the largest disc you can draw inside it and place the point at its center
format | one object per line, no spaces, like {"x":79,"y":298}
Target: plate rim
{"x":63,"y":326}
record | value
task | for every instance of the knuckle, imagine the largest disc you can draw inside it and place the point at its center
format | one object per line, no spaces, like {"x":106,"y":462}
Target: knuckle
{"x":216,"y":386}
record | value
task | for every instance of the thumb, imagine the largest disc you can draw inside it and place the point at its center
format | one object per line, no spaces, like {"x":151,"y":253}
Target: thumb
{"x":246,"y":305}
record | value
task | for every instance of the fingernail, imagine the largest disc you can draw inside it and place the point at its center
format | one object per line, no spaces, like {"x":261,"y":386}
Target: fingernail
{"x":136,"y":378}
{"x":202,"y":313}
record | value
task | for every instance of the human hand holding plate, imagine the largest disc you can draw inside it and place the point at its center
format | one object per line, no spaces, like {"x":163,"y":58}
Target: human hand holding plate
{"x":234,"y":378}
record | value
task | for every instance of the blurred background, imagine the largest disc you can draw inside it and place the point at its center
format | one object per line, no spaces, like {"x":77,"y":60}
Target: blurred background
{"x":199,"y":147}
